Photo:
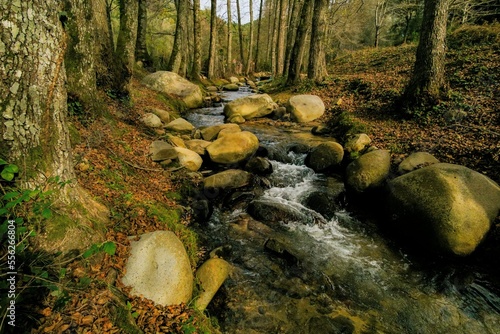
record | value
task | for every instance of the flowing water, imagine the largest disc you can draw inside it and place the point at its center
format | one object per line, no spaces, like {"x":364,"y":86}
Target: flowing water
{"x":336,"y":275}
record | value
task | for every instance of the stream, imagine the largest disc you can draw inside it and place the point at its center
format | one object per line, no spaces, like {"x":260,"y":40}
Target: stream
{"x":335,"y":275}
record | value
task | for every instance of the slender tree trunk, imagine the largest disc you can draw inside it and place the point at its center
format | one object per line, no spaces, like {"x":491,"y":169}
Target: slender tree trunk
{"x":213,"y":40}
{"x":229,"y":64}
{"x":33,"y":127}
{"x":292,"y":31}
{"x":428,"y":79}
{"x":274,"y":40}
{"x":380,"y":10}
{"x":240,"y":34}
{"x":259,"y":26}
{"x":280,"y":65}
{"x":196,"y":69}
{"x":141,"y":50}
{"x":270,"y":32}
{"x":316,"y":69}
{"x":175,"y":61}
{"x":300,"y":41}
{"x":127,"y":37}
{"x":249,"y":66}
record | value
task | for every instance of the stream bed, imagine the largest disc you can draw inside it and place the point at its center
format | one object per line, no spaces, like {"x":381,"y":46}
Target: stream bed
{"x":335,"y":275}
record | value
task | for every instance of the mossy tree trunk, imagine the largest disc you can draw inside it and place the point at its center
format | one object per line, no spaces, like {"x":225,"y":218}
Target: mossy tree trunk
{"x":316,"y":69}
{"x":428,"y":80}
{"x":141,"y":50}
{"x":176,"y":56}
{"x":196,"y":68}
{"x":300,"y":43}
{"x":127,"y":37}
{"x":296,"y":8}
{"x":283,"y":22}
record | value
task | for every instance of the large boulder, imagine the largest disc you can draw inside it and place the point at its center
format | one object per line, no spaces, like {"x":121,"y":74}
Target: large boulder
{"x":161,"y":151}
{"x":325,"y":156}
{"x":249,"y":107}
{"x":180,"y":125}
{"x":446,"y":206}
{"x":211,"y":132}
{"x":211,"y":275}
{"x":368,"y":171}
{"x":189,"y":159}
{"x":415,"y":161}
{"x":173,"y":84}
{"x":228,"y":179}
{"x":305,"y":108}
{"x":233,"y":147}
{"x":158,"y":269}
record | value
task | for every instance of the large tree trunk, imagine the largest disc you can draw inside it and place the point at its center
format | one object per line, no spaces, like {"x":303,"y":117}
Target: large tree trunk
{"x":33,"y":97}
{"x":196,"y":69}
{"x":280,"y":64}
{"x":127,"y":37}
{"x":291,"y":34}
{"x":141,"y":50}
{"x":174,"y":64}
{"x":316,"y":69}
{"x":300,"y":43}
{"x":428,"y":79}
{"x":213,"y":40}
{"x":249,"y":62}
{"x":259,"y":26}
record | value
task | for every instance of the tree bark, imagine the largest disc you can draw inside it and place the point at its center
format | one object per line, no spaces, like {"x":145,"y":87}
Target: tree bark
{"x":127,"y":37}
{"x":300,"y":41}
{"x":259,"y":26}
{"x":229,"y":63}
{"x":291,"y":34}
{"x":141,"y":50}
{"x":240,"y":34}
{"x":317,"y":65}
{"x":213,"y":40}
{"x":175,"y":61}
{"x":196,"y":69}
{"x":249,"y":62}
{"x":280,"y":64}
{"x":427,"y":80}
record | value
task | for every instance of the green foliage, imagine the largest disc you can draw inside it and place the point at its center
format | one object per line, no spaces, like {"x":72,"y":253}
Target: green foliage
{"x":108,"y":247}
{"x":344,"y":124}
{"x":474,"y":35}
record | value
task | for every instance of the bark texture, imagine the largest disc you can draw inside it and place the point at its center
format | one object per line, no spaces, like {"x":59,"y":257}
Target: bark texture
{"x":428,"y":79}
{"x":300,"y":43}
{"x":229,"y":64}
{"x":280,"y":64}
{"x":141,"y":50}
{"x":249,"y":62}
{"x":213,"y":40}
{"x":175,"y":62}
{"x":127,"y":37}
{"x":316,"y":69}
{"x":196,"y":69}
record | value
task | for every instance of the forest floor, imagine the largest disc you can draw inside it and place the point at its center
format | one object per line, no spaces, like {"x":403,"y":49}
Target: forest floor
{"x":112,"y":164}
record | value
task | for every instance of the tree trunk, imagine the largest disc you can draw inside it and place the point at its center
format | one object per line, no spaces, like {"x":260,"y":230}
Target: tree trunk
{"x":280,"y":64}
{"x":196,"y":69}
{"x":240,"y":34}
{"x":127,"y":37}
{"x":213,"y":40}
{"x":249,"y":62}
{"x":259,"y":26}
{"x":274,"y":39}
{"x":141,"y":50}
{"x":229,"y":64}
{"x":33,"y":98}
{"x":428,"y":79}
{"x":316,"y":69}
{"x":175,"y":61}
{"x":292,"y":31}
{"x":300,"y":41}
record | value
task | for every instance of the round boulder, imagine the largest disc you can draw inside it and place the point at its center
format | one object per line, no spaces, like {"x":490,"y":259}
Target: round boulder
{"x":368,"y":171}
{"x":228,"y":179}
{"x":305,"y":108}
{"x":233,"y":147}
{"x":158,"y":269}
{"x":151,"y":120}
{"x":180,"y":125}
{"x":259,"y":166}
{"x":253,"y":106}
{"x":161,"y":151}
{"x":325,"y":156}
{"x":173,"y":84}
{"x":446,"y":206}
{"x":189,"y":159}
{"x":231,"y":87}
{"x":211,"y":132}
{"x":357,"y":143}
{"x":415,"y":161}
{"x":211,"y":275}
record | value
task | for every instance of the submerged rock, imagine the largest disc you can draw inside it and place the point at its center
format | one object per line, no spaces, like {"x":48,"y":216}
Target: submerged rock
{"x":444,"y":206}
{"x":158,"y":269}
{"x":273,"y":212}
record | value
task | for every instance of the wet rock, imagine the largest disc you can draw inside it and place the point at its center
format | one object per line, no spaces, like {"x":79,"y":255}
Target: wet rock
{"x":231,"y":87}
{"x":337,"y":325}
{"x":234,"y":80}
{"x":278,"y":248}
{"x":259,"y":166}
{"x":447,"y":207}
{"x":325,"y":156}
{"x":415,"y":161}
{"x":357,"y":143}
{"x":210,"y":133}
{"x":162,"y":114}
{"x":305,"y":108}
{"x":161,"y":150}
{"x":189,"y":159}
{"x":249,"y":107}
{"x":151,"y":120}
{"x":175,"y":141}
{"x":228,"y":179}
{"x":158,"y":269}
{"x":202,"y":210}
{"x":278,"y":113}
{"x":236,"y":119}
{"x":227,"y":130}
{"x":368,"y":171}
{"x":198,"y":145}
{"x":321,"y":130}
{"x":268,"y":211}
{"x":211,"y":275}
{"x":325,"y":200}
{"x":180,"y":125}
{"x":233,"y":147}
{"x":173,"y":84}
{"x":212,"y":89}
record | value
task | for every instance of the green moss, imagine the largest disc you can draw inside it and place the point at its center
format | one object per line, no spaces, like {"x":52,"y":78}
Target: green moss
{"x":57,"y":227}
{"x":74,"y":135}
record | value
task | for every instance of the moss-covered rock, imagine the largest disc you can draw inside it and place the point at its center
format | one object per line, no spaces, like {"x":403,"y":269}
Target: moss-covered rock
{"x":368,"y":171}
